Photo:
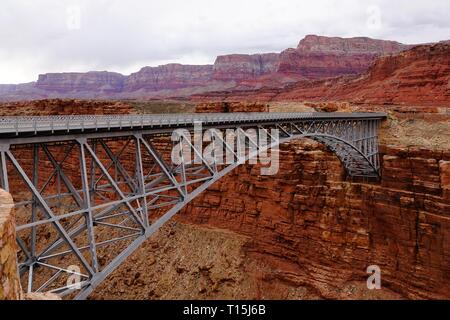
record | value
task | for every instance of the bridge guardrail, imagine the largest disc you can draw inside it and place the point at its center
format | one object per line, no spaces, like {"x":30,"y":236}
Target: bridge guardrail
{"x":96,"y":122}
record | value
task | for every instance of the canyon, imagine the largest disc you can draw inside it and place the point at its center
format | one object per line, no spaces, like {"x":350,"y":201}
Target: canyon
{"x":316,"y":57}
{"x":309,"y":232}
{"x":305,"y":233}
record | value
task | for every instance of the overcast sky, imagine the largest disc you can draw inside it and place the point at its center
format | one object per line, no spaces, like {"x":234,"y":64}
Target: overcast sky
{"x":39,"y":36}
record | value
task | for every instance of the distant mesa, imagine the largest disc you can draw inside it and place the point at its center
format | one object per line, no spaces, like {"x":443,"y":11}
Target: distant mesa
{"x":168,"y":77}
{"x":76,"y":82}
{"x":321,"y":57}
{"x":316,"y":57}
{"x":419,"y":76}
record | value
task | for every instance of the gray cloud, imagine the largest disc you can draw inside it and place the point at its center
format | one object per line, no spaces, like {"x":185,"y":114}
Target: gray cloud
{"x":39,"y":36}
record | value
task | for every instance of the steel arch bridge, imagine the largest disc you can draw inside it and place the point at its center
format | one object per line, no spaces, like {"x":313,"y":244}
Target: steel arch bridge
{"x":89,"y":190}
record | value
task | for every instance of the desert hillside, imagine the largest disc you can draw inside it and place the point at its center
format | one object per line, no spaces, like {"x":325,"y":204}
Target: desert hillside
{"x":416,"y":77}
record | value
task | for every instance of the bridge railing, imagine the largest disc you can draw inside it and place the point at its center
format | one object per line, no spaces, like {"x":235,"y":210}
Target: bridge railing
{"x":95,"y":122}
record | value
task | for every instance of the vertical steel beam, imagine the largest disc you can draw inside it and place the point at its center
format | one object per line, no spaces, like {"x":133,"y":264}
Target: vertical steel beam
{"x":4,"y":172}
{"x":183,"y":167}
{"x":141,"y":179}
{"x":87,"y":205}
{"x":34,"y":204}
{"x":92,"y":185}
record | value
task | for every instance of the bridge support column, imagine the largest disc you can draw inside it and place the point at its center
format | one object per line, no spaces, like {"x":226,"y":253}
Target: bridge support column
{"x":87,"y":206}
{"x":3,"y":168}
{"x":141,"y":180}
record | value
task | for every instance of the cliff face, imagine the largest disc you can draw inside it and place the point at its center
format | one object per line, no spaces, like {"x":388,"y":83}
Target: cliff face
{"x":419,"y":76}
{"x":305,"y":233}
{"x":10,"y":288}
{"x":345,"y":46}
{"x":171,"y":76}
{"x":315,"y":58}
{"x":7,"y":88}
{"x":24,"y":91}
{"x":315,"y":229}
{"x":63,"y":107}
{"x":237,"y":67}
{"x":322,"y":57}
{"x":101,"y":82}
{"x":187,"y":261}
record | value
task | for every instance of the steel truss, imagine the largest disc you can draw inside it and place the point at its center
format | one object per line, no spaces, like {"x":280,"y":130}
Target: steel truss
{"x":86,"y":200}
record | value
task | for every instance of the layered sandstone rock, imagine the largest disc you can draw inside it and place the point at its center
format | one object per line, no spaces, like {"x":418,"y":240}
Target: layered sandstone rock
{"x":419,"y":76}
{"x":24,"y":91}
{"x":170,"y":76}
{"x":322,"y":57}
{"x":7,"y":88}
{"x":315,"y":58}
{"x":316,"y":229}
{"x":238,"y":67}
{"x":46,"y":296}
{"x":50,"y":107}
{"x":10,"y":288}
{"x":195,"y":263}
{"x":101,"y":82}
{"x":231,"y":107}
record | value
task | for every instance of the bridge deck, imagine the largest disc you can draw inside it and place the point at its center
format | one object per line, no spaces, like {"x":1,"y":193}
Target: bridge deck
{"x":76,"y":123}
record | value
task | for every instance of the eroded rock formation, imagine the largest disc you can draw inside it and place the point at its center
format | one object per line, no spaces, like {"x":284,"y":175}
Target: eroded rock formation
{"x":101,"y":82}
{"x":316,"y":229}
{"x":314,"y":58}
{"x":170,"y":76}
{"x":322,"y":57}
{"x":238,"y":67}
{"x":419,"y":76}
{"x":10,"y":288}
{"x":51,"y":107}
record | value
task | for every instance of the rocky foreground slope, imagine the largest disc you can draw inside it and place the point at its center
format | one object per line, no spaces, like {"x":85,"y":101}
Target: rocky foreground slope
{"x":315,"y":58}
